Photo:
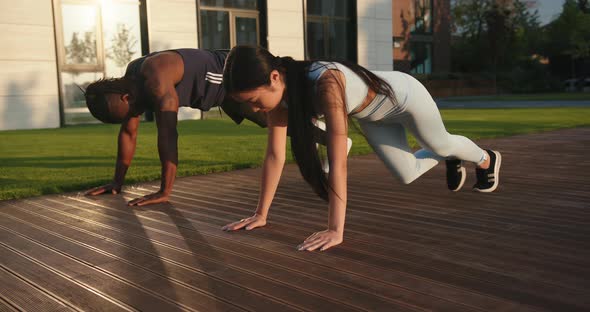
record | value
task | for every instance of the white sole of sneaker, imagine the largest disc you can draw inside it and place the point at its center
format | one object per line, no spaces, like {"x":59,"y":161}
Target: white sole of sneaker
{"x":463,"y":178}
{"x":496,"y":175}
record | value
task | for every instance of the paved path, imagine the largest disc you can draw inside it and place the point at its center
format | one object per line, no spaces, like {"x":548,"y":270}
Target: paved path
{"x":450,"y":103}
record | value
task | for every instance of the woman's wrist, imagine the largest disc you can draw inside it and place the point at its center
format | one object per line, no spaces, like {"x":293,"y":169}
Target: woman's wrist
{"x":336,"y":228}
{"x":261,"y":212}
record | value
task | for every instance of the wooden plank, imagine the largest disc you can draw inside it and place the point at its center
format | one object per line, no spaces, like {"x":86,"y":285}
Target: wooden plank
{"x":20,"y":295}
{"x":528,"y":229}
{"x":320,"y":222}
{"x":126,"y":294}
{"x":77,"y":294}
{"x":577,"y":232}
{"x":287,"y":249}
{"x":479,"y":277}
{"x":383,"y":247}
{"x":276,"y":215}
{"x":334,"y":288}
{"x":238,"y":185}
{"x":6,"y":306}
{"x":205,"y":279}
{"x":148,"y":273}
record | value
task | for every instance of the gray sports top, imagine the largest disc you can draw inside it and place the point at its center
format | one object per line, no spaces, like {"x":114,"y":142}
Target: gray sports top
{"x":355,"y":88}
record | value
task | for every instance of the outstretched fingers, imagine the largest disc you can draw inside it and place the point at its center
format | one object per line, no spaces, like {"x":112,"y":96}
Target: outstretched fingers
{"x":321,"y":240}
{"x":247,"y":224}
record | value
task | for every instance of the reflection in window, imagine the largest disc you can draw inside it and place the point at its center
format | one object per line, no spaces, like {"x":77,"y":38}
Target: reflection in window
{"x":122,"y":35}
{"x":79,"y":34}
{"x":246,"y":32}
{"x":75,"y":110}
{"x":215,"y":29}
{"x":90,"y":52}
{"x":423,"y":12}
{"x":235,"y":4}
{"x":315,"y":39}
{"x":421,"y":57}
{"x":339,"y":40}
{"x":331,"y":29}
{"x":330,"y":8}
{"x":225,"y":23}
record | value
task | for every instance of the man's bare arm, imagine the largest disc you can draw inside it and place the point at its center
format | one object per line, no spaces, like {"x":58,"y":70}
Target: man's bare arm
{"x":125,"y":150}
{"x":162,"y":73}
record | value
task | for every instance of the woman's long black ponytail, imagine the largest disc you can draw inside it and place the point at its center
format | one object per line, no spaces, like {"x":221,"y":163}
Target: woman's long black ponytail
{"x":249,"y":67}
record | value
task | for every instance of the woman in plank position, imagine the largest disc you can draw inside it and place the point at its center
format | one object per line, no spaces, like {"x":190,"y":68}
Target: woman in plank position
{"x":385,"y":104}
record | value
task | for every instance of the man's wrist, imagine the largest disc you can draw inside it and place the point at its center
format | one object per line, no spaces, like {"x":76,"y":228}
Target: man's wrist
{"x":165,"y":192}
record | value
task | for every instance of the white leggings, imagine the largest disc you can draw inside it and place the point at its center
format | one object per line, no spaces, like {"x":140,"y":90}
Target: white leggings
{"x":384,"y":123}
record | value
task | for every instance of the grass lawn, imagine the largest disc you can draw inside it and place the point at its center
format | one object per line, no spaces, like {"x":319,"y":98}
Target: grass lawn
{"x":36,"y":162}
{"x":528,"y":97}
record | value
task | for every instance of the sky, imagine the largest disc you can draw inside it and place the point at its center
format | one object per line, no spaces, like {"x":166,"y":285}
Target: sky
{"x":549,"y":9}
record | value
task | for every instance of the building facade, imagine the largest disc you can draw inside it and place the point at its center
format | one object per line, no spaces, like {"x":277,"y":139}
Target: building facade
{"x":421,"y":36}
{"x":54,"y":46}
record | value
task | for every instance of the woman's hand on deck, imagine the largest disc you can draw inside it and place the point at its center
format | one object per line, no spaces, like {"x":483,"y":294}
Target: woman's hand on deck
{"x":321,"y":240}
{"x":248,"y":223}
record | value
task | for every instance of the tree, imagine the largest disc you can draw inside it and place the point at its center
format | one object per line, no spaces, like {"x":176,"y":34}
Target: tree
{"x":584,"y":6}
{"x":81,"y":51}
{"x":492,"y":35}
{"x":90,"y":47}
{"x":123,"y":43}
{"x":567,"y":39}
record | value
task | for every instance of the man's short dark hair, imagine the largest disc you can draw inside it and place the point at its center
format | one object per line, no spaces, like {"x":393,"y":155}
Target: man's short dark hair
{"x":96,"y":99}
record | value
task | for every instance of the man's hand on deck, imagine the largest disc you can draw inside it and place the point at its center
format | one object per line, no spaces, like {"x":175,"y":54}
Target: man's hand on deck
{"x":153,"y":198}
{"x":111,"y":188}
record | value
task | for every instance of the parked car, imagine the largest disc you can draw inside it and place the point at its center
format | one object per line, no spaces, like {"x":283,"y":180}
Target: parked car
{"x":585,"y":85}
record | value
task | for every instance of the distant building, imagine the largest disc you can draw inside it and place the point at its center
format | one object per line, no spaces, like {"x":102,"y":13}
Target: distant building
{"x":422,"y":36}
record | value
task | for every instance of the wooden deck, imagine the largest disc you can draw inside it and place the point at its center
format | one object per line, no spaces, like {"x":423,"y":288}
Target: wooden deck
{"x":407,"y":248}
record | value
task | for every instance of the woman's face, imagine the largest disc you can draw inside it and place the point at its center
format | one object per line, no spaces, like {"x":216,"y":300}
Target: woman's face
{"x":264,"y":98}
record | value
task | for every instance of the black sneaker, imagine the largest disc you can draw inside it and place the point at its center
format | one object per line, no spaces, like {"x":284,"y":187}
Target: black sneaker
{"x":488,"y":179}
{"x":455,"y":174}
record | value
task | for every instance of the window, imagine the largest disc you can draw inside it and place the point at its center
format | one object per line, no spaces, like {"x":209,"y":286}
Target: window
{"x":226,"y":23}
{"x":234,"y":4}
{"x":215,"y":30}
{"x":95,"y":39}
{"x":331,"y":29}
{"x":421,"y":57}
{"x":423,"y":16}
{"x":81,"y":34}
